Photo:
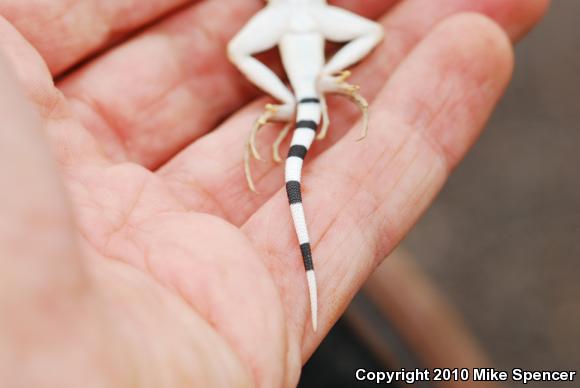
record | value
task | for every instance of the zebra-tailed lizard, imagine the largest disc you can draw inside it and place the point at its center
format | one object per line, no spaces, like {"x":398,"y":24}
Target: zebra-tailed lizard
{"x":300,"y":29}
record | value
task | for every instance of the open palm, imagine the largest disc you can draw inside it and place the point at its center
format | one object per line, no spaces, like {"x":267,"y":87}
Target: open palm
{"x":168,"y":271}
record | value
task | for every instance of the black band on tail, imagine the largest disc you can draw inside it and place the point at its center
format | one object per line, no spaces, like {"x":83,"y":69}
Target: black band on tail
{"x":309,"y":100}
{"x":298,"y":151}
{"x":307,"y":256}
{"x":307,"y":124}
{"x":294,"y":192}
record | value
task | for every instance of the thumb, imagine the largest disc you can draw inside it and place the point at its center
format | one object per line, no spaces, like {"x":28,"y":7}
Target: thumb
{"x":40,"y":269}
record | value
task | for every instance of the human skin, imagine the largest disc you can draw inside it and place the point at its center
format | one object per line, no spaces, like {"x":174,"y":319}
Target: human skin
{"x":132,"y":253}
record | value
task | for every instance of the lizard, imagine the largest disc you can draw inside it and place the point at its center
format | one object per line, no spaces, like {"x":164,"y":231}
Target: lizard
{"x":300,"y":29}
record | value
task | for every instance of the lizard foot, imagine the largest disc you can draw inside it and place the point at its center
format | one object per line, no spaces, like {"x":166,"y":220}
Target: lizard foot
{"x":353,"y":93}
{"x":338,"y":85}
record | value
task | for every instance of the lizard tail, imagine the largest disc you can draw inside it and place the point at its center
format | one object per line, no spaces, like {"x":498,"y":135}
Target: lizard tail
{"x":308,"y":116}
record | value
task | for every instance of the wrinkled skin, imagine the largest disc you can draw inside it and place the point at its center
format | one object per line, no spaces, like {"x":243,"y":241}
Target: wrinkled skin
{"x":131,"y":251}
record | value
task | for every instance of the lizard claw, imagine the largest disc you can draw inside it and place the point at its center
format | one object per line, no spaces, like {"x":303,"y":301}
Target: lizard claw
{"x":251,"y":150}
{"x":338,"y":85}
{"x":259,"y":124}
{"x":248,"y":169}
{"x":353,"y":94}
{"x":343,"y":76}
{"x":363,"y":105}
{"x":278,"y":142}
{"x":325,"y":118}
{"x":271,"y":113}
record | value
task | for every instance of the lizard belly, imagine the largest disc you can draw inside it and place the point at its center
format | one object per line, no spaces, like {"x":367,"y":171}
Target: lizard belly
{"x":303,"y":59}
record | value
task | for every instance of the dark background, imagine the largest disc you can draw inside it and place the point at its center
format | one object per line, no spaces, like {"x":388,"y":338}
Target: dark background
{"x":503,"y":239}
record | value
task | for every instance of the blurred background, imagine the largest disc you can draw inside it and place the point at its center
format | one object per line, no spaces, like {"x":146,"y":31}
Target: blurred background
{"x":501,"y":244}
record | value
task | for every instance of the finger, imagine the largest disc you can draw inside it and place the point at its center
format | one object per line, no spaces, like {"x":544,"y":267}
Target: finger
{"x":362,"y":200}
{"x":70,"y":142}
{"x":40,"y":271}
{"x":220,"y":188}
{"x":151,"y":97}
{"x":66,"y":32}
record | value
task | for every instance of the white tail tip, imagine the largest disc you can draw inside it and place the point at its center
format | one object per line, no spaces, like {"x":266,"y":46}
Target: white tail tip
{"x":313,"y":298}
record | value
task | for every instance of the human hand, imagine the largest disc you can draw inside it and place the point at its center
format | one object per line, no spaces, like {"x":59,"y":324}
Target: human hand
{"x":158,"y":267}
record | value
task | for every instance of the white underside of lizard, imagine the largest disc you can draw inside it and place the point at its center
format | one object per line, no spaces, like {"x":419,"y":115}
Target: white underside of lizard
{"x":300,"y":29}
